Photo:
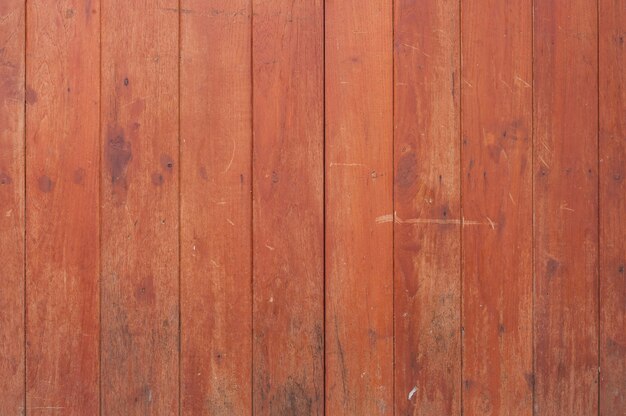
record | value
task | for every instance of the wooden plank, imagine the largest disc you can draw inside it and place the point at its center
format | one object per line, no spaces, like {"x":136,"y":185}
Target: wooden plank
{"x":288,"y":207}
{"x":566,"y":207}
{"x":216,"y":302}
{"x":359,"y":207}
{"x":12,"y":36}
{"x":140,"y":210}
{"x":427,"y":204}
{"x":62,"y":233}
{"x":496,"y":106}
{"x":612,"y":90}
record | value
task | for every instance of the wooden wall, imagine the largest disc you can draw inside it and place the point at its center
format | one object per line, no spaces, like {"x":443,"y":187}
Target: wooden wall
{"x":307,"y":207}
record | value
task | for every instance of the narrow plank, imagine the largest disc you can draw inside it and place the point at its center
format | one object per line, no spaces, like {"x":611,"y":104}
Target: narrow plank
{"x":566,"y":207}
{"x":612,"y":90}
{"x":288,"y":207}
{"x":427,"y":204}
{"x":496,"y":104}
{"x":216,"y":322}
{"x":62,"y":232}
{"x":140,"y":212}
{"x":359,"y":207}
{"x":12,"y":36}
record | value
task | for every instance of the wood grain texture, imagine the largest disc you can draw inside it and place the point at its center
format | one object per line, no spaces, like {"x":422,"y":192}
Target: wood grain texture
{"x":62,"y":237}
{"x":216,"y":139}
{"x":427,"y":205}
{"x":359,"y":206}
{"x":496,"y":106}
{"x":612,"y":90}
{"x":12,"y":44}
{"x":140,"y":212}
{"x":288,"y":204}
{"x":566,"y":207}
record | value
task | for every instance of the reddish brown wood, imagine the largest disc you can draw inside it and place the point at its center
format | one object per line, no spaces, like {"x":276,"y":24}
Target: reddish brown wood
{"x":62,"y":237}
{"x":612,"y":90}
{"x":12,"y":27}
{"x":359,"y":207}
{"x":216,"y":138}
{"x":288,"y":230}
{"x":566,"y":207}
{"x":427,"y":205}
{"x":140,"y":212}
{"x":496,"y":106}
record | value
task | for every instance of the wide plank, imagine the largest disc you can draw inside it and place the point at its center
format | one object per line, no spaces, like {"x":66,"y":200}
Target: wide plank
{"x":12,"y":58}
{"x":427,"y":233}
{"x":62,"y":227}
{"x":288,"y":207}
{"x":359,"y":207}
{"x":496,"y":104}
{"x":140,"y":207}
{"x":216,"y":140}
{"x":612,"y":111}
{"x":565,"y":169}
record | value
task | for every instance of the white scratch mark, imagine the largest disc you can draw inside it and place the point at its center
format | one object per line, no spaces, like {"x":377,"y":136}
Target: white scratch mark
{"x":468,"y":84}
{"x":564,"y":207}
{"x":543,"y":161}
{"x":214,"y":263}
{"x":8,"y":213}
{"x":511,"y":198}
{"x":412,"y":392}
{"x":506,"y":85}
{"x":333,"y":164}
{"x":230,"y":222}
{"x":390,"y":218}
{"x":232,"y":157}
{"x":384,"y":218}
{"x":270,"y":247}
{"x":526,"y":84}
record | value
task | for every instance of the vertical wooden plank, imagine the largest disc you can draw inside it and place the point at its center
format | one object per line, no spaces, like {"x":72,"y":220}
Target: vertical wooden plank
{"x":12,"y":27}
{"x":566,"y":207}
{"x":496,"y":106}
{"x":612,"y":90}
{"x":288,"y":229}
{"x":62,"y":232}
{"x":140,"y":229}
{"x":427,"y":204}
{"x":359,"y":207}
{"x":216,"y":139}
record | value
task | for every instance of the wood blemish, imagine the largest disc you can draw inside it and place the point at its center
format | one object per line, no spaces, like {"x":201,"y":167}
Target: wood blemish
{"x":45,"y":184}
{"x":31,"y":96}
{"x":118,"y":156}
{"x":157,"y":179}
{"x":78,"y":176}
{"x":5,"y":179}
{"x":167,"y":162}
{"x":407,"y":170}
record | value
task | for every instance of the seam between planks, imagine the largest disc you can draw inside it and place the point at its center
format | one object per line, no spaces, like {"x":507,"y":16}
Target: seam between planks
{"x":460,"y":119}
{"x":24,"y":136}
{"x":180,"y":159}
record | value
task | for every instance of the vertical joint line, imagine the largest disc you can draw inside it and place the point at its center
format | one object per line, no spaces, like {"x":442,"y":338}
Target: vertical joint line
{"x":24,"y":246}
{"x":462,"y":331}
{"x":100,"y":144}
{"x":180,"y":160}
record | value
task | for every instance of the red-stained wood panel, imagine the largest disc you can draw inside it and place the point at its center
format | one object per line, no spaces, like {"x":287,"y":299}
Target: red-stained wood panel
{"x":566,"y":207}
{"x":359,"y":207}
{"x":12,"y":36}
{"x":62,"y":181}
{"x":216,"y":138}
{"x":427,"y":204}
{"x":140,"y":212}
{"x":288,"y":207}
{"x":496,"y":128}
{"x":612,"y":93}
